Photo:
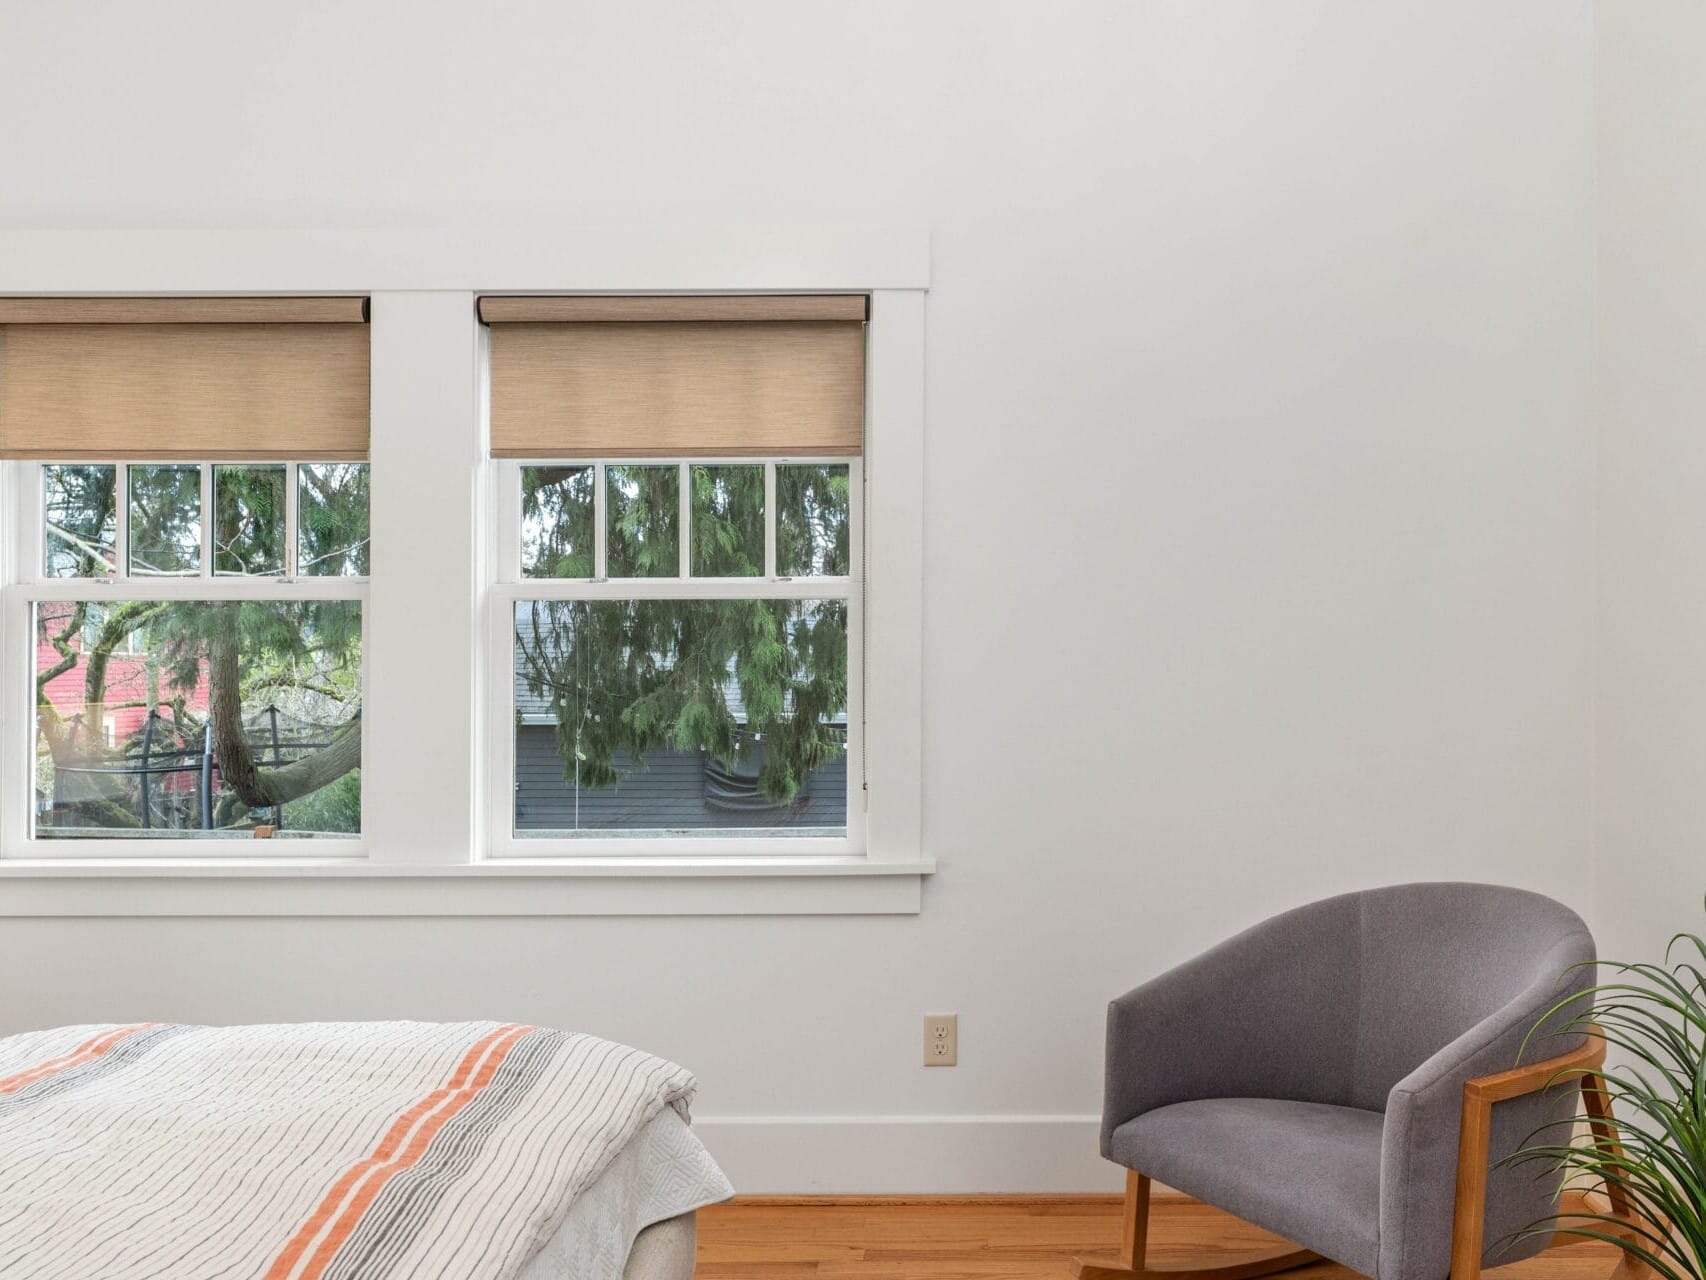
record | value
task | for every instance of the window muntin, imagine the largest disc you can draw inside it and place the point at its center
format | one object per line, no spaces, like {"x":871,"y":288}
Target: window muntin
{"x":679,"y":703}
{"x":198,"y":690}
{"x":742,"y":519}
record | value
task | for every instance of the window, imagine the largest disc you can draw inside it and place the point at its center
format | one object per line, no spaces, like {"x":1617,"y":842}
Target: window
{"x":683,"y":640}
{"x":191,"y":487}
{"x":680,"y":568}
{"x":198,"y":678}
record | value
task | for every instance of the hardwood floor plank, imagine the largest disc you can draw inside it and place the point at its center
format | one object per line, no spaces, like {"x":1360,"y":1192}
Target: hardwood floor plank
{"x":1004,"y":1238}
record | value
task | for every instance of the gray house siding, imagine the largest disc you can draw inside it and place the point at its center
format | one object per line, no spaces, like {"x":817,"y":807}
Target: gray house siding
{"x":669,"y":793}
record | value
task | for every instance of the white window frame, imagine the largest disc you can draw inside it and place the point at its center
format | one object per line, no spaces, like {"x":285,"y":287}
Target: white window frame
{"x":33,"y":586}
{"x":511,"y":588}
{"x":432,"y":496}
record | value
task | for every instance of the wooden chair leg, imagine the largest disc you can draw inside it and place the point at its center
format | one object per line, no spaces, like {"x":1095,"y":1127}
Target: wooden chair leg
{"x":1134,"y":1246}
{"x":1598,"y":1104}
{"x":1597,"y":1100}
{"x":1134,"y":1220}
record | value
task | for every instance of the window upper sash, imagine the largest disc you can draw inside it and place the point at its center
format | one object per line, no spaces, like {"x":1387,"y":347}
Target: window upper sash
{"x":184,"y":378}
{"x":654,"y":377}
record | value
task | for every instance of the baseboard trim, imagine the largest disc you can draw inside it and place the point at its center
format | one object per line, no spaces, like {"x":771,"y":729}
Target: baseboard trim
{"x":911,"y":1156}
{"x":1043,"y":1199}
{"x":828,"y":1161}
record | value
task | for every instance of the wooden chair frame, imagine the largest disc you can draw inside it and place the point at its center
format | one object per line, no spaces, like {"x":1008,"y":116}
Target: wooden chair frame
{"x":1134,"y":1242}
{"x":1468,"y":1228}
{"x":1473,"y":1149}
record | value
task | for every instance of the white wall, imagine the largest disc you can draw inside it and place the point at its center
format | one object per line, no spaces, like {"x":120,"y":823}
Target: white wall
{"x":1651,"y":835}
{"x":1259,"y":547}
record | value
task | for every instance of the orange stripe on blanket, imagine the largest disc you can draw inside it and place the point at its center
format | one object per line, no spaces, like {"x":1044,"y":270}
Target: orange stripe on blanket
{"x":88,"y":1051}
{"x":404,"y":1143}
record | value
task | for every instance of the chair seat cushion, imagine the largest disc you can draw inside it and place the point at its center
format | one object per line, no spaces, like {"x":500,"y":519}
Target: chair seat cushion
{"x":1303,"y":1170}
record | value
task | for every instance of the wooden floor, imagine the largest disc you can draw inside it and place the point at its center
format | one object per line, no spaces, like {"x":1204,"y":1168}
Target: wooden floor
{"x":1032,"y":1238}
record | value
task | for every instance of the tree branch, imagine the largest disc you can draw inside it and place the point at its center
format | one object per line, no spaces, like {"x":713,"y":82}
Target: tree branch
{"x":257,"y":786}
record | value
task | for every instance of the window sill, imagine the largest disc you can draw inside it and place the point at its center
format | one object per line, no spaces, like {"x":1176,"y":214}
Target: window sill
{"x":531,"y":887}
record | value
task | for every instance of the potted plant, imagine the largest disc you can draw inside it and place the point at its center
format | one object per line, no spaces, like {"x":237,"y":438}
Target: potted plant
{"x":1648,"y":1150}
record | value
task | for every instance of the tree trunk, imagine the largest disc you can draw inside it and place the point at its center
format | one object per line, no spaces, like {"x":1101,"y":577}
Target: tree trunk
{"x":117,"y":625}
{"x":47,"y":716}
{"x":261,"y":787}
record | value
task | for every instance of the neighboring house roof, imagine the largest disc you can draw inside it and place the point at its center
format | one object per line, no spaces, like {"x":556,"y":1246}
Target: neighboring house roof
{"x":535,"y":708}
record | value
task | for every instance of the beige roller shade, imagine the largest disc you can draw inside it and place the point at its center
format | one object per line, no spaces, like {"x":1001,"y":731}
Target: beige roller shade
{"x":246,"y":378}
{"x":668,"y":377}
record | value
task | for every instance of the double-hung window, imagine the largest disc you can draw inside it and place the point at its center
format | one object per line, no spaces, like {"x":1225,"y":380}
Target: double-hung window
{"x":643,"y":635}
{"x":191,"y":518}
{"x":678,"y":621}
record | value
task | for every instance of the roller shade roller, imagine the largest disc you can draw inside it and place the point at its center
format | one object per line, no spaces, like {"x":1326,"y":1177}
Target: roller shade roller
{"x":183,"y":310}
{"x":593,"y":308}
{"x":103,"y":387}
{"x":673,"y":377}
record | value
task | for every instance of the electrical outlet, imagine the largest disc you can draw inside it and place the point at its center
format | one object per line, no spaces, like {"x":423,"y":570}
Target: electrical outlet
{"x":941,"y":1039}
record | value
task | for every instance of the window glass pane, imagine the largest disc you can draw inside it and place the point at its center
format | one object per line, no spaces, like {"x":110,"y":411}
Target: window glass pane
{"x":79,"y":521}
{"x":248,"y":520}
{"x":728,"y":522}
{"x":557,"y":522}
{"x":644,"y":514}
{"x":331,"y":519}
{"x":689,"y":717}
{"x":197,"y":718}
{"x":812,"y":526}
{"x":165,"y":520}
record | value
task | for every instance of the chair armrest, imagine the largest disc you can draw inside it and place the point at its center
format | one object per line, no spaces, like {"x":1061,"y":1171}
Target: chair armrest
{"x":1484,"y":1091}
{"x":1253,"y":1018}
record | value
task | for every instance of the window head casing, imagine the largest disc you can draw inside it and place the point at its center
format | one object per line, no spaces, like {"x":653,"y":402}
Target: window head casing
{"x":679,"y":636}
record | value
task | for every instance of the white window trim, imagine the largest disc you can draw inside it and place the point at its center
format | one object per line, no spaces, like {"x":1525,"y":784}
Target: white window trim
{"x":432,"y":496}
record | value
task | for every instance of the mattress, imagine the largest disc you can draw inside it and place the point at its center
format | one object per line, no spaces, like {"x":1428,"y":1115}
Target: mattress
{"x":663,"y":1173}
{"x":666,"y":1250}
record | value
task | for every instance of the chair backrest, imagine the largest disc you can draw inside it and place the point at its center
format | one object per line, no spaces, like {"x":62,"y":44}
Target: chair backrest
{"x":1435,"y":960}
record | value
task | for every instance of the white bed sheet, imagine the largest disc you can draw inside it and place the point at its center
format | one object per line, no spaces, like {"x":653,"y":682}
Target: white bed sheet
{"x":663,"y":1172}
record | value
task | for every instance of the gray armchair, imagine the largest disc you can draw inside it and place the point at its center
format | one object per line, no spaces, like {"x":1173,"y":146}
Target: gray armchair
{"x":1310,"y":1074}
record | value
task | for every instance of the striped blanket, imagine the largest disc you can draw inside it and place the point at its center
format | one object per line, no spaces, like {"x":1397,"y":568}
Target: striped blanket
{"x":342,"y":1151}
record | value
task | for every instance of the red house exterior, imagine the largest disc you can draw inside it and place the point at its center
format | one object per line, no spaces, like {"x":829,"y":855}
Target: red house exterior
{"x":124,"y":713}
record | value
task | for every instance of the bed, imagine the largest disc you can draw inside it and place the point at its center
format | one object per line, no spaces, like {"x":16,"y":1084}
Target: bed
{"x":345,"y":1151}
